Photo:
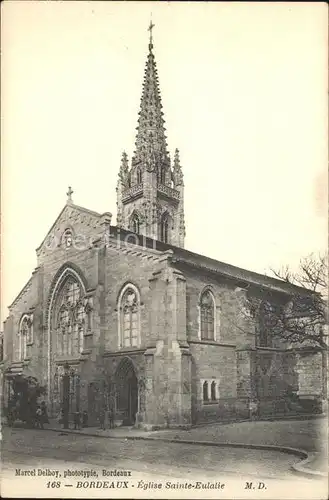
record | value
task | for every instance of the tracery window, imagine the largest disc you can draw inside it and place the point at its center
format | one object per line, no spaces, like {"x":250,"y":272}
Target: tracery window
{"x":70,"y":319}
{"x":207,"y":315}
{"x":129,"y":310}
{"x":164,"y":228}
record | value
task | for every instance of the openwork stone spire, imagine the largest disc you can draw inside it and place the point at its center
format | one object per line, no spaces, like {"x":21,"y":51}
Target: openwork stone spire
{"x":151,"y":145}
{"x":150,"y":193}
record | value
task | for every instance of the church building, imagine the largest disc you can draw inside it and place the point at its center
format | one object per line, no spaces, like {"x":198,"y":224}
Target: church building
{"x":161,"y":335}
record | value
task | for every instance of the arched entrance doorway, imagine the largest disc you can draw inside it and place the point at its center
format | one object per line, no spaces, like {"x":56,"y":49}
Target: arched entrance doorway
{"x":66,"y":391}
{"x":126,"y":392}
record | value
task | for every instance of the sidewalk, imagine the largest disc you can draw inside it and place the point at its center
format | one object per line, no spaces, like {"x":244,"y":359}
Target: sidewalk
{"x":303,"y":435}
{"x":117,"y":432}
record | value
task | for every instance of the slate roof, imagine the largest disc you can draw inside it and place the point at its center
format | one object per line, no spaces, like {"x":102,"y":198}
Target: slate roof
{"x":194,"y":260}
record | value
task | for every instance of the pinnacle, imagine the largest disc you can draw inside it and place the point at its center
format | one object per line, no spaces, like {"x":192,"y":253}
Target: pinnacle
{"x":177,"y":160}
{"x":124,"y":157}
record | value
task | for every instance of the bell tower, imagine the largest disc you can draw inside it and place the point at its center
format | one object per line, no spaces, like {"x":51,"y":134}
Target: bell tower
{"x":150,"y":190}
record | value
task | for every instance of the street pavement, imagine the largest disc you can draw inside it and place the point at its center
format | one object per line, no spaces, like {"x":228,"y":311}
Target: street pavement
{"x":150,"y":462}
{"x":153,"y":457}
{"x":309,"y":435}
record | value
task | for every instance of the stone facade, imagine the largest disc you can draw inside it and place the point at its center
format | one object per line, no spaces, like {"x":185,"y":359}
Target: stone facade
{"x":161,"y":335}
{"x":179,"y":377}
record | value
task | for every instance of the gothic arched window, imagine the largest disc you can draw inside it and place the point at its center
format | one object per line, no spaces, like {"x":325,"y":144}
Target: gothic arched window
{"x":205,"y":391}
{"x":129,"y":320}
{"x":70,"y":318}
{"x":135,"y":224}
{"x":25,"y":336}
{"x":24,"y":333}
{"x":207,"y":315}
{"x":164,"y":228}
{"x":139,"y":176}
{"x":213,"y":391}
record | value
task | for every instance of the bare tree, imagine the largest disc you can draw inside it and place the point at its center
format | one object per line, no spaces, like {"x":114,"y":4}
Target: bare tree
{"x":297,"y":319}
{"x":304,"y":320}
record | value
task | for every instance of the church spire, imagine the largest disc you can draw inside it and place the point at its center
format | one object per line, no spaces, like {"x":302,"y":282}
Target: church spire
{"x":151,"y":145}
{"x":150,"y":194}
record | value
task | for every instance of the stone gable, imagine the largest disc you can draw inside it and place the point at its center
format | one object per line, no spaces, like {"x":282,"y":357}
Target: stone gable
{"x":83,"y":224}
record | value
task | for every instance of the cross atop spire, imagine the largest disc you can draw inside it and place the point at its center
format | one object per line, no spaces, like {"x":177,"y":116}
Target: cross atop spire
{"x":69,"y":195}
{"x":150,"y":28}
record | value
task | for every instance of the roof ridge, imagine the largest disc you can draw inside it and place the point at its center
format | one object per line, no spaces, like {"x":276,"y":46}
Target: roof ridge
{"x":29,"y":281}
{"x":246,"y":275}
{"x":92,"y":212}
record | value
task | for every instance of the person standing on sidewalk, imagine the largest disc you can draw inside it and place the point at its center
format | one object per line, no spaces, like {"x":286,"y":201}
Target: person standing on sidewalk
{"x":85,"y":419}
{"x":253,"y":409}
{"x":38,"y":418}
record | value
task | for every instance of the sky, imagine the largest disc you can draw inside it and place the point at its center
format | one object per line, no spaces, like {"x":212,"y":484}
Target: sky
{"x":244,"y":92}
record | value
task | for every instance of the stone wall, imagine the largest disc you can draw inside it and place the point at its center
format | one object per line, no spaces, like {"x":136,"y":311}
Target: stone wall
{"x":124,"y":265}
{"x":217,"y":360}
{"x":29,"y":301}
{"x":172,"y":361}
{"x":233,"y":327}
{"x":310,"y":376}
{"x":168,"y":371}
{"x":104,"y":272}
